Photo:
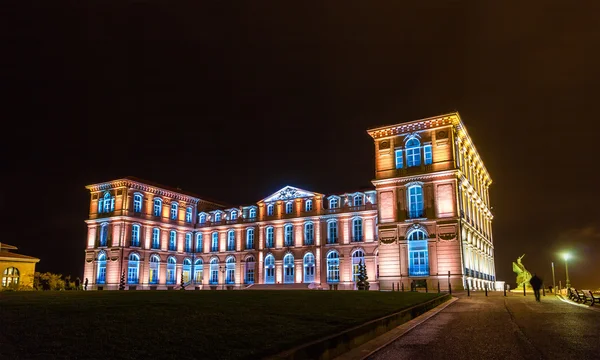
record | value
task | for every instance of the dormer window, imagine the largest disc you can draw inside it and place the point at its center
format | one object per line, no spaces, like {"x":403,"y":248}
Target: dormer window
{"x":333,"y":203}
{"x":358,"y":200}
{"x":308,"y":206}
{"x":233,"y":215}
{"x":270,"y":210}
{"x":289,"y":207}
{"x":252,"y":213}
{"x":217,"y":217}
{"x":202,"y":218}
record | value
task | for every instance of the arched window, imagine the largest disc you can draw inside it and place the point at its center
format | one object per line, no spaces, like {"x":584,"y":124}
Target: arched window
{"x":233,"y":215}
{"x":413,"y":152}
{"x":106,"y":203}
{"x":153,"y":274}
{"x":309,"y":268}
{"x":358,"y":200}
{"x":418,"y":254}
{"x":415,"y":201}
{"x":186,"y":270}
{"x":288,"y":269}
{"x":217,"y":217}
{"x":357,"y":229}
{"x":289,"y":206}
{"x":252,"y":213}
{"x":270,"y":241}
{"x":157,"y":207}
{"x":358,"y":256}
{"x":270,"y":210}
{"x":133,"y":269}
{"x":214,"y":271}
{"x":156,"y":238}
{"x":101,"y":275}
{"x":188,"y":214}
{"x":250,"y":263}
{"x":308,"y":205}
{"x":103,"y":235}
{"x":428,"y":154}
{"x":137,"y":202}
{"x":11,"y":276}
{"x":230,"y":240}
{"x":269,"y":269}
{"x":173,"y":240}
{"x":333,"y":267}
{"x":309,"y":233}
{"x":289,"y":235}
{"x":198,"y":271}
{"x":214,"y":245}
{"x":135,"y":235}
{"x":332,"y":232}
{"x":202,"y":219}
{"x":174,"y":208}
{"x":188,"y":242}
{"x":250,"y":238}
{"x":333,"y":203}
{"x":199,"y":242}
{"x":171,"y":267}
{"x":230,"y":270}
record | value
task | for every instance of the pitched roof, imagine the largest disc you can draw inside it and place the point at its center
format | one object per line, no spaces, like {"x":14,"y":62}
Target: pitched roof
{"x":17,"y":257}
{"x":6,"y":246}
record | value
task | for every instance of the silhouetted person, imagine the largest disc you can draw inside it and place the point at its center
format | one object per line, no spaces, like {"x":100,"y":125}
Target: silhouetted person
{"x":85,"y":284}
{"x":77,"y":283}
{"x":536,"y":284}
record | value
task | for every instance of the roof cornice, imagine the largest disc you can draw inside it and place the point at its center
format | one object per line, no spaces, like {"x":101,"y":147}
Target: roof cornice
{"x":136,"y":185}
{"x":422,"y":124}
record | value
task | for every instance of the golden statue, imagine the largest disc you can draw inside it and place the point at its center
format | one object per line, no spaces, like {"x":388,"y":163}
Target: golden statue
{"x":523,"y":276}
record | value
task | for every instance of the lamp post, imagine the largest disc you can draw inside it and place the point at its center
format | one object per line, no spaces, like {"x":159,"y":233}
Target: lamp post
{"x":553,"y":279}
{"x":566,"y":256}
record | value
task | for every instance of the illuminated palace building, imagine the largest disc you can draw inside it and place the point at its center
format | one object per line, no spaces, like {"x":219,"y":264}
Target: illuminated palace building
{"x":426,"y":221}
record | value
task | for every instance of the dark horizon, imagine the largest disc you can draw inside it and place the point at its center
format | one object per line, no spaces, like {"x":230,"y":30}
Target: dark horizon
{"x":235,"y":101}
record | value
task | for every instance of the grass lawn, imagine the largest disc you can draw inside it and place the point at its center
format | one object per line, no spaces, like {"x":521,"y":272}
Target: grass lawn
{"x":181,"y":324}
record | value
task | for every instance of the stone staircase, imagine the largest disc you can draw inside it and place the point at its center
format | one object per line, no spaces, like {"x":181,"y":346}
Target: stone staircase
{"x":277,"y":287}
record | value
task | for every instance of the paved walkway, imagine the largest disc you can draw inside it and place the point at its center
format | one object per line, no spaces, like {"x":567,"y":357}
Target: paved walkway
{"x":498,"y":327}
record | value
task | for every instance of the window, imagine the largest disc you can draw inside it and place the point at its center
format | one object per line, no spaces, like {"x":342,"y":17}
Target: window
{"x":309,"y":268}
{"x":106,"y":203}
{"x":358,"y":200}
{"x":157,"y":207}
{"x":399,"y":160}
{"x":202,"y":219}
{"x":186,"y":270}
{"x":357,"y":230}
{"x":333,"y":203}
{"x":233,"y":215}
{"x":188,"y":242}
{"x":188,"y":214}
{"x":332,"y":232}
{"x":333,"y":267}
{"x":415,"y":201}
{"x":230,"y":270}
{"x":269,"y":269}
{"x":358,"y":257}
{"x":418,"y":255}
{"x":289,"y":206}
{"x":252,"y":213}
{"x":308,"y":206}
{"x":218,"y":217}
{"x":288,"y":269}
{"x":289,"y":232}
{"x":101,"y":275}
{"x":250,"y":238}
{"x":103,"y":235}
{"x":137,"y":202}
{"x":270,"y":238}
{"x":230,"y":240}
{"x":153,"y":274}
{"x":214,"y":246}
{"x":171,"y":266}
{"x":270,"y":210}
{"x":198,"y":271}
{"x":135,"y":235}
{"x":174,"y":208}
{"x":133,"y":269}
{"x":199,"y":242}
{"x":155,"y":238}
{"x":250,"y":263}
{"x":173,"y":240}
{"x":214,"y":271}
{"x":309,"y":233}
{"x":413,"y":152}
{"x":428,"y":154}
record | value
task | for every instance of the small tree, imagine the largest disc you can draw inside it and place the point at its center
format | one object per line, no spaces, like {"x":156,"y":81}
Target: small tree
{"x":362,"y":282}
{"x":182,"y":282}
{"x":122,"y":281}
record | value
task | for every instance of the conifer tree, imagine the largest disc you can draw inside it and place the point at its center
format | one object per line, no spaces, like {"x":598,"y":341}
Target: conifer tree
{"x":362,"y":282}
{"x":122,"y":282}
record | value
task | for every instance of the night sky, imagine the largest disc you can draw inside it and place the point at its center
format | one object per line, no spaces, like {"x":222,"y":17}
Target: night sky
{"x":234,"y":101}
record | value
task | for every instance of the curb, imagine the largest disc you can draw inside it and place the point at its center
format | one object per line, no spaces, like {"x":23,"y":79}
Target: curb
{"x":337,"y":344}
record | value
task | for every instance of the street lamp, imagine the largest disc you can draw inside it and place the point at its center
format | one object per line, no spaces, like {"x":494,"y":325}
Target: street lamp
{"x":566,"y":256}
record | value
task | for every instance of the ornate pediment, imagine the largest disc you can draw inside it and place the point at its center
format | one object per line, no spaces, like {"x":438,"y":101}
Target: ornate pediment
{"x":289,"y":193}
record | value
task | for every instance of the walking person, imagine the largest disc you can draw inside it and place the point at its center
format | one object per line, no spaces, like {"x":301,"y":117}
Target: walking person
{"x":536,"y":284}
{"x":77,"y":284}
{"x":85,"y":284}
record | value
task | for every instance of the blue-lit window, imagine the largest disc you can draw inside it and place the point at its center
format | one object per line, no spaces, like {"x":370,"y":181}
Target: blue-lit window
{"x":156,"y":238}
{"x":202,"y":218}
{"x":188,"y":242}
{"x":186,"y":270}
{"x":427,"y":153}
{"x":217,"y":217}
{"x":188,"y":214}
{"x":106,"y":204}
{"x":233,"y":215}
{"x":198,"y":271}
{"x":230,"y":240}
{"x":270,"y":237}
{"x":173,"y":240}
{"x":101,"y":275}
{"x":135,"y":235}
{"x":214,"y":245}
{"x":288,"y":269}
{"x":174,"y":208}
{"x":269,"y":269}
{"x":230,"y":270}
{"x":413,"y":152}
{"x":418,"y":254}
{"x":137,"y":203}
{"x":270,"y":210}
{"x":309,"y":233}
{"x":308,"y":206}
{"x":153,"y":274}
{"x":289,"y":206}
{"x":399,"y":160}
{"x":250,"y":238}
{"x":415,"y":201}
{"x":357,"y":230}
{"x":157,"y":207}
{"x":214,"y":271}
{"x":289,"y":235}
{"x":171,"y":266}
{"x":103,"y":235}
{"x":333,"y":267}
{"x":250,"y":264}
{"x":199,"y":244}
{"x":358,"y":256}
{"x":252,"y":213}
{"x":309,"y":268}
{"x":332,"y":232}
{"x":133,"y":269}
{"x":358,"y":200}
{"x":333,"y":203}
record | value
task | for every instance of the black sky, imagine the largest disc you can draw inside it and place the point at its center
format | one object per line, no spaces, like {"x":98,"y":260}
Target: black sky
{"x":233,"y":101}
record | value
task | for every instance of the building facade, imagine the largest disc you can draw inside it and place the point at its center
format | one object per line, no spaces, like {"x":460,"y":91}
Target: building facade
{"x":17,"y":270}
{"x":426,"y":221}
